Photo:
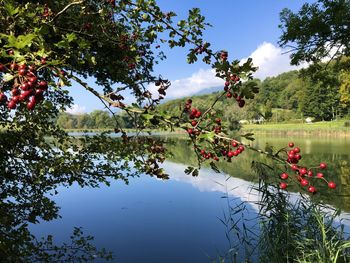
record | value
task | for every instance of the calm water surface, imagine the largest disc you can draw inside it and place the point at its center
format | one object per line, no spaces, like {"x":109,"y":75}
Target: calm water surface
{"x":178,"y":220}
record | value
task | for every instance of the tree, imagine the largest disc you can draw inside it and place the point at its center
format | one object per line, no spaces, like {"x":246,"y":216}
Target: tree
{"x":47,"y":45}
{"x":317,"y":31}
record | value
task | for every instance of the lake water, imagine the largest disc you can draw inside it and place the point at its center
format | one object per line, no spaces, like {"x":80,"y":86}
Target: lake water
{"x":179,"y":220}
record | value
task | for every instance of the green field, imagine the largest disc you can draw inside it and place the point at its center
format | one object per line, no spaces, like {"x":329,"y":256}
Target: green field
{"x":337,"y":128}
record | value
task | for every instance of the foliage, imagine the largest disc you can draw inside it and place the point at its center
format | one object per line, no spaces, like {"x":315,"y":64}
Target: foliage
{"x":97,"y":119}
{"x":45,"y":46}
{"x":318,"y":30}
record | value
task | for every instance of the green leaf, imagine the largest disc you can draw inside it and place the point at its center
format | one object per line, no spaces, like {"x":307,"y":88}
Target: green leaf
{"x":210,"y":136}
{"x":7,"y":77}
{"x":21,"y":41}
{"x":10,"y":9}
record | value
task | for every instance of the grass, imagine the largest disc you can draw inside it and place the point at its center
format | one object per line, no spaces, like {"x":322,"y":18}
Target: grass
{"x":317,"y":128}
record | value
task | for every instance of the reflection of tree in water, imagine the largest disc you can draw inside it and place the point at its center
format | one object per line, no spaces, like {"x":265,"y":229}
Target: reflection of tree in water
{"x":31,"y":170}
{"x":33,"y":167}
{"x":240,"y":167}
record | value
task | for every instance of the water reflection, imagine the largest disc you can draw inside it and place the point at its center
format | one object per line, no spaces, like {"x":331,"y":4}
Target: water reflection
{"x":335,"y":152}
{"x":168,"y":221}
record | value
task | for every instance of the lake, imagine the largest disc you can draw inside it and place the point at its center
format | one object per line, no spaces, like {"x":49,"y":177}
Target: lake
{"x":180,"y":219}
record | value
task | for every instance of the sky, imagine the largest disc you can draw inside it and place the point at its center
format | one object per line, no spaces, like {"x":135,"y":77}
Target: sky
{"x":245,"y":28}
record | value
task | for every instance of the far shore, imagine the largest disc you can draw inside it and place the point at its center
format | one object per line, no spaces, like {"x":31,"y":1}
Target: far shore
{"x":326,"y":129}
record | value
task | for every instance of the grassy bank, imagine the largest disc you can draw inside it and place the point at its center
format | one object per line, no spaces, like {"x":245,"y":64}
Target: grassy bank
{"x":332,"y":128}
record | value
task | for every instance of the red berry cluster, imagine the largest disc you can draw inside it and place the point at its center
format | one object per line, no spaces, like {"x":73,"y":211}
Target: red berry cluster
{"x":233,"y":153}
{"x":303,"y":175}
{"x":231,"y":83}
{"x":222,"y":150}
{"x":194,"y":115}
{"x":26,"y":88}
{"x":208,"y":155}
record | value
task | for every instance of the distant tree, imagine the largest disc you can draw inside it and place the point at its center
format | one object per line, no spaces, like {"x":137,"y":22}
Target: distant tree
{"x":268,"y":110}
{"x":344,"y":90}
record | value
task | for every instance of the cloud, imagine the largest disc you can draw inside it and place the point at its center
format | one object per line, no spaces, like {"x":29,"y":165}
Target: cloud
{"x":76,"y":109}
{"x":198,"y":81}
{"x":271,"y":61}
{"x":268,"y":57}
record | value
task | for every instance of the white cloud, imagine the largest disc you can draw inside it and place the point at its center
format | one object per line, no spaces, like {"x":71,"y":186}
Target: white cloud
{"x":76,"y":109}
{"x":271,"y":61}
{"x":198,"y":81}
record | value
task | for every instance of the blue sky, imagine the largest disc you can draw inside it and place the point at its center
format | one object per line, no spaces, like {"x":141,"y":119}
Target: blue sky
{"x":246,"y":28}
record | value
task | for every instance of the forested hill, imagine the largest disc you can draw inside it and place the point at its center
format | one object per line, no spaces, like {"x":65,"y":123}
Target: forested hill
{"x":286,"y":97}
{"x":294,"y":94}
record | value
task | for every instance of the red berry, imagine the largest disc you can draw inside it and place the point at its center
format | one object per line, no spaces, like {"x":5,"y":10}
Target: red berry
{"x":33,"y":79}
{"x":332,"y":185}
{"x":234,"y":144}
{"x":310,"y":173}
{"x":24,"y":95}
{"x":235,"y":153}
{"x":198,"y":114}
{"x":190,"y":131}
{"x":218,"y":120}
{"x":303,"y":171}
{"x":291,"y":144}
{"x":296,"y":149}
{"x":13,"y":66}
{"x":193,"y":123}
{"x":31,"y":105}
{"x":31,"y":84}
{"x":304,"y":182}
{"x":22,"y":72}
{"x":241,"y":103}
{"x":15,"y":92}
{"x":312,"y":189}
{"x":43,"y":84}
{"x":294,"y":167}
{"x":2,"y":68}
{"x":230,"y":154}
{"x":323,"y":165}
{"x":3,"y":97}
{"x":284,"y":176}
{"x":11,"y":105}
{"x":229,"y":95}
{"x":24,"y":86}
{"x":227,"y":83}
{"x":297,"y":156}
{"x":283,"y":185}
{"x":241,"y":148}
{"x":319,"y":175}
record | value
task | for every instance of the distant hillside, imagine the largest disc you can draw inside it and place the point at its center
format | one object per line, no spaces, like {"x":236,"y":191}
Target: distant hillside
{"x":283,"y":98}
{"x":294,"y":93}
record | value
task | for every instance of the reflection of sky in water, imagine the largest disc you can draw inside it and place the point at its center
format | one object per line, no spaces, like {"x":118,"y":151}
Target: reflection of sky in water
{"x":152,"y":220}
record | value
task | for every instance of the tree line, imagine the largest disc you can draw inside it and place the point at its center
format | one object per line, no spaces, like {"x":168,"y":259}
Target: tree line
{"x":292,"y":95}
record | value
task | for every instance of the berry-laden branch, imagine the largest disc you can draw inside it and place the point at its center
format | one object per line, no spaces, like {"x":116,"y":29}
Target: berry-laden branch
{"x":226,"y":148}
